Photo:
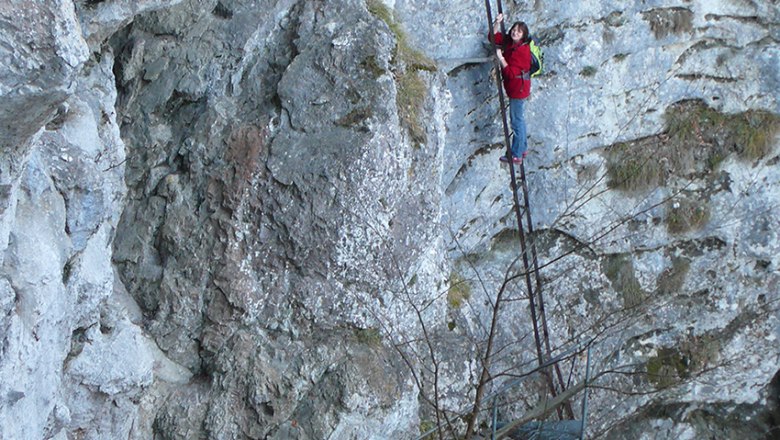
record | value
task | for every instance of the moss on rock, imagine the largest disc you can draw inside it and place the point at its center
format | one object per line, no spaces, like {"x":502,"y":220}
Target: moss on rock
{"x":459,"y":291}
{"x":671,"y":280}
{"x":697,"y":138}
{"x":408,"y":62}
{"x":686,"y":214}
{"x":619,"y":269}
{"x":673,"y":365}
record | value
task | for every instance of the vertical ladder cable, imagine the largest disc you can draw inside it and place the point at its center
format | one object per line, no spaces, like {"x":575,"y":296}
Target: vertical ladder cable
{"x":495,"y":418}
{"x":585,"y":397}
{"x":516,"y":199}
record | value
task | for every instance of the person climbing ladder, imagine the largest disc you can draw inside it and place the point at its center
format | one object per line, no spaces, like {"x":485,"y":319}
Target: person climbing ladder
{"x":514,"y":54}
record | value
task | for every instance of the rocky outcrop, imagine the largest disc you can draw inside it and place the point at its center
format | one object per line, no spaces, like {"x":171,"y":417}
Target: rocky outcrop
{"x":274,"y":205}
{"x":74,"y":359}
{"x":278,"y":219}
{"x":57,"y":319}
{"x":44,"y":52}
{"x":100,"y":19}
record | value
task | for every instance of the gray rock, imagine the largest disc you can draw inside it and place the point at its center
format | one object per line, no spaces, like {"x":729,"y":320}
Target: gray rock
{"x":101,"y":19}
{"x":103,"y":363}
{"x":217,"y":225}
{"x":43,"y":51}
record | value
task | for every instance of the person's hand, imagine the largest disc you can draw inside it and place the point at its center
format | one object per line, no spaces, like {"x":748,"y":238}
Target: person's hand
{"x":499,"y":19}
{"x":501,"y":59}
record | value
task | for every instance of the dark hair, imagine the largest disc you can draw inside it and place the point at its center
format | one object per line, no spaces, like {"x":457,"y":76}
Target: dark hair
{"x":523,"y":27}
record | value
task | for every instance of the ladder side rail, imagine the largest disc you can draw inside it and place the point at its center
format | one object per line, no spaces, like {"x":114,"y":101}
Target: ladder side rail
{"x":540,"y":296}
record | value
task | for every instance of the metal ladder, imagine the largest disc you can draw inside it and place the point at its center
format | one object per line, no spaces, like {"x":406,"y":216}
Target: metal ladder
{"x":534,"y":287}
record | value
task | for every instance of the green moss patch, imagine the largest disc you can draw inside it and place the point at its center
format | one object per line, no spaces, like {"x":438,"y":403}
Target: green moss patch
{"x":411,"y":92}
{"x":404,"y":52}
{"x":426,"y":425}
{"x":382,"y":12}
{"x":370,"y":64}
{"x":588,"y":71}
{"x":666,"y":21}
{"x":408,"y":62}
{"x":369,"y":336}
{"x":696,"y":140}
{"x":686,"y":214}
{"x":673,"y":365}
{"x":754,"y":133}
{"x":671,"y":280}
{"x":750,"y":134}
{"x":619,"y":269}
{"x":620,"y":56}
{"x":632,"y":166}
{"x":459,"y":291}
{"x":667,"y":368}
{"x":355,"y":117}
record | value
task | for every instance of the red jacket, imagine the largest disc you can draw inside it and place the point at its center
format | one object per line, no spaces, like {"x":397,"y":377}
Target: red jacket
{"x":518,"y":58}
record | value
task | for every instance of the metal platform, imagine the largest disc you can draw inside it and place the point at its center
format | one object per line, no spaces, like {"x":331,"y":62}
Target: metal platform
{"x":556,"y":430}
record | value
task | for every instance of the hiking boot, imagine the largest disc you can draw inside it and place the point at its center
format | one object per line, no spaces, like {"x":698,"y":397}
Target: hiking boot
{"x":517,"y":160}
{"x":503,"y":159}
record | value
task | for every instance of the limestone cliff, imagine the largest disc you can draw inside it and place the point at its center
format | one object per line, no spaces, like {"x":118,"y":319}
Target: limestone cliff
{"x":286,"y":219}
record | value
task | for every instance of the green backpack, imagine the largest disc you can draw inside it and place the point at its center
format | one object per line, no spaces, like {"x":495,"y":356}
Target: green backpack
{"x":537,"y":57}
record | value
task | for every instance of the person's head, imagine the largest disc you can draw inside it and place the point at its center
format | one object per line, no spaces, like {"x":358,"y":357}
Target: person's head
{"x":519,"y":32}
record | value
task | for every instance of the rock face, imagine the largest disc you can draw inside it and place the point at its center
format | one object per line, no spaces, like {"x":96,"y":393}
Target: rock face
{"x":268,"y":213}
{"x":671,"y":305}
{"x":277,"y":219}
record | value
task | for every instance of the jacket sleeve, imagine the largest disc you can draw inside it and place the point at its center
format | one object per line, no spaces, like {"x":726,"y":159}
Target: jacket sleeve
{"x":497,"y":37}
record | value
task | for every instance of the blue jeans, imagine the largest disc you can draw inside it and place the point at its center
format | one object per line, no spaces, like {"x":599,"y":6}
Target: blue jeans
{"x":517,"y":116}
